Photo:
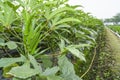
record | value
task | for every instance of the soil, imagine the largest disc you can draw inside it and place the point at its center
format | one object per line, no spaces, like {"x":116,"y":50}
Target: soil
{"x":114,"y":44}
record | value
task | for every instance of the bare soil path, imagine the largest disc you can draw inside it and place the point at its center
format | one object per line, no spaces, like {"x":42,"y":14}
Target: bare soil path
{"x":114,"y":43}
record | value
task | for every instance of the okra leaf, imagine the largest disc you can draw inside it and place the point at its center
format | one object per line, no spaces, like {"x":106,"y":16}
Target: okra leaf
{"x":23,"y":71}
{"x":67,"y":69}
{"x":50,"y":71}
{"x":4,"y":62}
{"x":11,"y":45}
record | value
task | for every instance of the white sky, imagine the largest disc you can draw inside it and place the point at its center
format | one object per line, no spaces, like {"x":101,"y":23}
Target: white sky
{"x":99,"y":8}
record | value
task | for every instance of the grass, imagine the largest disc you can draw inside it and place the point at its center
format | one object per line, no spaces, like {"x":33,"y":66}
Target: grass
{"x":114,"y":43}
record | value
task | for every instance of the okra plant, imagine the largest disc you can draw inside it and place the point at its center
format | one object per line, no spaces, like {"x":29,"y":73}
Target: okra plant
{"x":39,"y":36}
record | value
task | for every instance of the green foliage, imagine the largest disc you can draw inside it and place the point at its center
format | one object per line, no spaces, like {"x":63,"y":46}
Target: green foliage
{"x":23,"y":71}
{"x":10,"y":44}
{"x":7,"y":14}
{"x":7,"y":69}
{"x":67,"y":69}
{"x":44,"y":33}
{"x":54,"y":78}
{"x":115,"y":29}
{"x":4,"y":62}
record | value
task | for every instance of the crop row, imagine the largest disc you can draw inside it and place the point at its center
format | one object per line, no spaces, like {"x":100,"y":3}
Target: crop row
{"x":45,"y":39}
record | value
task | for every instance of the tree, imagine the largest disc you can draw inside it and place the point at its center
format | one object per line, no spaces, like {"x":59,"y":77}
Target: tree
{"x":115,"y":19}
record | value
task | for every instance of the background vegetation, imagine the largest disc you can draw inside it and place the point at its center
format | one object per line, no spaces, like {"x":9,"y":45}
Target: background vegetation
{"x":115,"y":19}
